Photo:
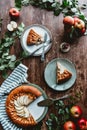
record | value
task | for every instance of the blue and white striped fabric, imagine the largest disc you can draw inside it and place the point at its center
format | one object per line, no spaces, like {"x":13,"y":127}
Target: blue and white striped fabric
{"x":17,"y":77}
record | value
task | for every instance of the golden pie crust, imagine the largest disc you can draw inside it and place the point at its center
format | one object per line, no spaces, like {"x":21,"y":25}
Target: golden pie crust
{"x":32,"y":93}
{"x":33,"y":38}
{"x":63,"y":76}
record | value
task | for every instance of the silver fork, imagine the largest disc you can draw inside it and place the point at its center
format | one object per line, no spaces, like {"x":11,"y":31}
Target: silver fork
{"x":43,"y":51}
{"x":46,"y":44}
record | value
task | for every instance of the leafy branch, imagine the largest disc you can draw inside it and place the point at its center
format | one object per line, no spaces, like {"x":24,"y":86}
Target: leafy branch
{"x":56,"y":120}
{"x":62,"y":111}
{"x":7,"y":60}
{"x":66,"y":7}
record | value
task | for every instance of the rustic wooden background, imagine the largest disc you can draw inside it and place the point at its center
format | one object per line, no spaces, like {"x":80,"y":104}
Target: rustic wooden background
{"x":78,"y":53}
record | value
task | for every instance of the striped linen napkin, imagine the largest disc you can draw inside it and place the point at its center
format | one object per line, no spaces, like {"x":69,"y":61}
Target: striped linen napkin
{"x":16,"y":78}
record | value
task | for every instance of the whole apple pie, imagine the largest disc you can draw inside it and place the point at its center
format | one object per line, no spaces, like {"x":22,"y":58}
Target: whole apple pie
{"x":17,"y":105}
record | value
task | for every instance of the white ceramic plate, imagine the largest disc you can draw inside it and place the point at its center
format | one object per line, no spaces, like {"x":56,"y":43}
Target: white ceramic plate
{"x":37,"y":112}
{"x":41,"y":30}
{"x":50,"y":74}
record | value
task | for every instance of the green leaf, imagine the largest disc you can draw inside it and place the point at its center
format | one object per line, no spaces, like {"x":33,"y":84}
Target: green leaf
{"x":54,"y":5}
{"x":67,"y":110}
{"x":74,"y":10}
{"x":4,"y":74}
{"x":61,"y":111}
{"x":21,"y":25}
{"x":12,"y":65}
{"x":25,"y":2}
{"x":13,"y":34}
{"x":7,"y":44}
{"x":51,"y":1}
{"x":18,"y":4}
{"x":8,"y":57}
{"x":17,"y":62}
{"x":6,"y":54}
{"x":20,"y":29}
{"x":81,"y":16}
{"x":57,"y":12}
{"x":49,"y":122}
{"x":2,"y":67}
{"x":65,"y":3}
{"x":13,"y":57}
{"x":24,"y":54}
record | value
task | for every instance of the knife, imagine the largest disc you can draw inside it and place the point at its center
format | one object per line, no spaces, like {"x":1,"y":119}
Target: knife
{"x":50,"y":101}
{"x":42,"y":56}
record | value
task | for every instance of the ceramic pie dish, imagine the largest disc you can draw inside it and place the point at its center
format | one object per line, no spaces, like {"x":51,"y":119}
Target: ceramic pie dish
{"x":20,"y":104}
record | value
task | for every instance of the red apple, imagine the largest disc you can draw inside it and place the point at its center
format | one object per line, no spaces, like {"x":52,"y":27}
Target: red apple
{"x":68,"y":20}
{"x":68,"y":23}
{"x":82,"y":124}
{"x":14,"y":13}
{"x":78,"y":23}
{"x":76,"y":111}
{"x":69,"y":125}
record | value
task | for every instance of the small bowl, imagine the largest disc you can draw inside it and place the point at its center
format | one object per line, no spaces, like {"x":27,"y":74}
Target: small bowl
{"x":64,"y":47}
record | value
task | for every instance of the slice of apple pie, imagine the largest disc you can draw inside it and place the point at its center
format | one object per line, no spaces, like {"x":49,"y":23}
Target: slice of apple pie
{"x":62,"y":73}
{"x":33,"y":38}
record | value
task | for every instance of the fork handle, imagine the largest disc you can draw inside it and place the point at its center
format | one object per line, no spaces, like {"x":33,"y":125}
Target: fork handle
{"x":43,"y":56}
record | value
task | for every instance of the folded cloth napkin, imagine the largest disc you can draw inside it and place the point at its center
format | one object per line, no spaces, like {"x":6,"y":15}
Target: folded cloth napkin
{"x":17,"y":77}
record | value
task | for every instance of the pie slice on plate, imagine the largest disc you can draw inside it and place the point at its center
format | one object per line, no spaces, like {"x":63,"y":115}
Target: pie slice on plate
{"x":33,"y":38}
{"x":62,"y":73}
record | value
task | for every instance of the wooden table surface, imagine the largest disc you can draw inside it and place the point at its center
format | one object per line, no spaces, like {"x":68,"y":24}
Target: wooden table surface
{"x":77,"y":54}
